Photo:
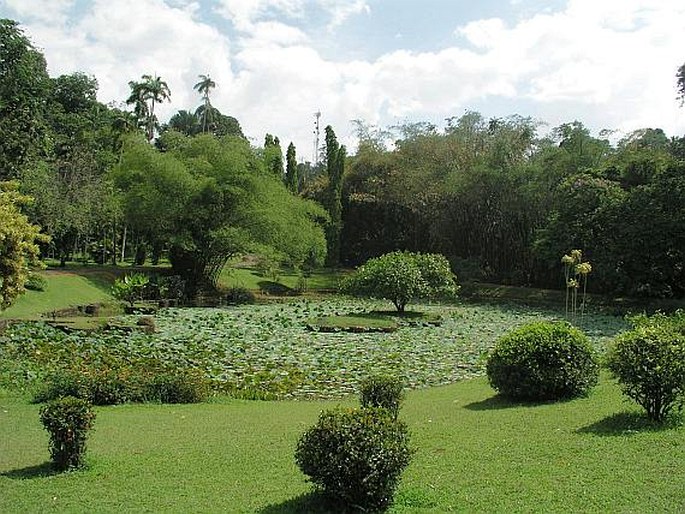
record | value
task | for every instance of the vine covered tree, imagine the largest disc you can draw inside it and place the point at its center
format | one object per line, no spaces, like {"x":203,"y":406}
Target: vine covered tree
{"x":680,"y":84}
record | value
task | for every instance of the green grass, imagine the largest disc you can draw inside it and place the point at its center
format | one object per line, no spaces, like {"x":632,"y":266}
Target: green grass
{"x":326,"y":280}
{"x":354,"y":323}
{"x":64,"y":289}
{"x":475,"y":453}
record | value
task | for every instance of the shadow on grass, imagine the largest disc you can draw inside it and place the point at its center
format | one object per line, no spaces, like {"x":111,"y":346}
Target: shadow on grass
{"x":498,"y":402}
{"x":275,"y":288}
{"x":630,"y":423}
{"x":39,"y":471}
{"x":309,"y":503}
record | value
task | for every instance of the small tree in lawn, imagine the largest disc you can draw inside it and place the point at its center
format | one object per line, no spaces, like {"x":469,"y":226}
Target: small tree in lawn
{"x":401,"y":277}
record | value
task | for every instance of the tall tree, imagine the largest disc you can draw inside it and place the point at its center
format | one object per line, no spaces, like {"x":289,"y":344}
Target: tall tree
{"x":680,"y":84}
{"x":291,"y":177}
{"x":204,"y":86}
{"x":24,"y":88}
{"x":144,"y":96}
{"x":335,"y":167}
{"x":273,"y":155}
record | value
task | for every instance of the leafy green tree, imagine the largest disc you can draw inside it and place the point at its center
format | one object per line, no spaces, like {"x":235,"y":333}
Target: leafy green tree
{"x":204,"y":86}
{"x":209,"y":199}
{"x":184,"y":122}
{"x":335,"y":169}
{"x":18,"y":248}
{"x":144,"y":96}
{"x":24,"y":90}
{"x":273,"y":156}
{"x":401,"y":277}
{"x":291,"y":177}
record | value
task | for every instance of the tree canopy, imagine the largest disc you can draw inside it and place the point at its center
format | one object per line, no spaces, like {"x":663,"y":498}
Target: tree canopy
{"x":209,"y":199}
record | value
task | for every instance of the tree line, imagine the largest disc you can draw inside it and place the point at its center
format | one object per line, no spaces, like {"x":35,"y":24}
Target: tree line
{"x":500,"y":198}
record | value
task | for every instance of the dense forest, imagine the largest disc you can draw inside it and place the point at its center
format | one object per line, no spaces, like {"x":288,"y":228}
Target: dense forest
{"x":503,"y":198}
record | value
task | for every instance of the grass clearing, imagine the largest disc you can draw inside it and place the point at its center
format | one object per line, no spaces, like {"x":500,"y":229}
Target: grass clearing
{"x":319,"y":280}
{"x":475,"y":453}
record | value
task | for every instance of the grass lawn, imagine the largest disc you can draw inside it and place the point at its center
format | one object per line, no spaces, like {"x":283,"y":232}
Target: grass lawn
{"x":474,"y":454}
{"x":64,"y":289}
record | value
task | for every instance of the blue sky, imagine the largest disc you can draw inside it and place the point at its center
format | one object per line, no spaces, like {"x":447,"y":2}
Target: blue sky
{"x":608,"y":63}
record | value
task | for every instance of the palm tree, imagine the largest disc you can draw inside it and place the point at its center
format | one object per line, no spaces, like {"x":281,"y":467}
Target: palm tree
{"x":203,"y":87}
{"x":184,"y":122}
{"x":144,"y":96}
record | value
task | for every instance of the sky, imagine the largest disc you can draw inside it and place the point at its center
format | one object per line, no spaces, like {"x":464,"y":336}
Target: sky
{"x":610,"y":64}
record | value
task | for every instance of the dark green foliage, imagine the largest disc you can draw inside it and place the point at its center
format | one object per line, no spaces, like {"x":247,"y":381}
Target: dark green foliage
{"x":382,"y":392}
{"x":543,"y":361}
{"x":107,"y":386}
{"x":238,"y":295}
{"x":355,"y":456}
{"x":36,"y":282}
{"x":649,"y":363}
{"x":176,"y":387}
{"x":68,"y":421}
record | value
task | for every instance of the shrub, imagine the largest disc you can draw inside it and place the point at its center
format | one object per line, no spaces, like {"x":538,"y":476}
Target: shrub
{"x":68,"y":421}
{"x":176,"y":387}
{"x":649,"y":363}
{"x":543,"y":361}
{"x":130,"y":288}
{"x":238,"y":295}
{"x":59,"y":384}
{"x":382,"y":392}
{"x":36,"y":282}
{"x":356,"y":456}
{"x":97,"y":386}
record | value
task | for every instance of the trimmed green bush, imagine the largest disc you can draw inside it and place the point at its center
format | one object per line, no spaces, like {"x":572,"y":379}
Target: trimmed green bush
{"x":382,"y":392}
{"x":68,"y":421}
{"x":355,"y":456}
{"x":543,"y":361}
{"x":649,"y":363}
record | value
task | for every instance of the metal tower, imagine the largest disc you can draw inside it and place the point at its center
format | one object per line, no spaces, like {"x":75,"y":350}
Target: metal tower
{"x":317,"y":128}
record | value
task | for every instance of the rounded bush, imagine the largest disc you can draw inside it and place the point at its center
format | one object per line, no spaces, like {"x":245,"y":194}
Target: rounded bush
{"x":68,"y":421}
{"x":543,"y":361}
{"x":36,"y":282}
{"x":382,"y":392}
{"x":355,"y":456}
{"x":649,"y":363}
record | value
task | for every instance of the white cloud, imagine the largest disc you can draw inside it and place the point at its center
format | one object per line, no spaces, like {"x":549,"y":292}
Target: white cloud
{"x":341,"y":10}
{"x":609,"y":64}
{"x":54,"y":11}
